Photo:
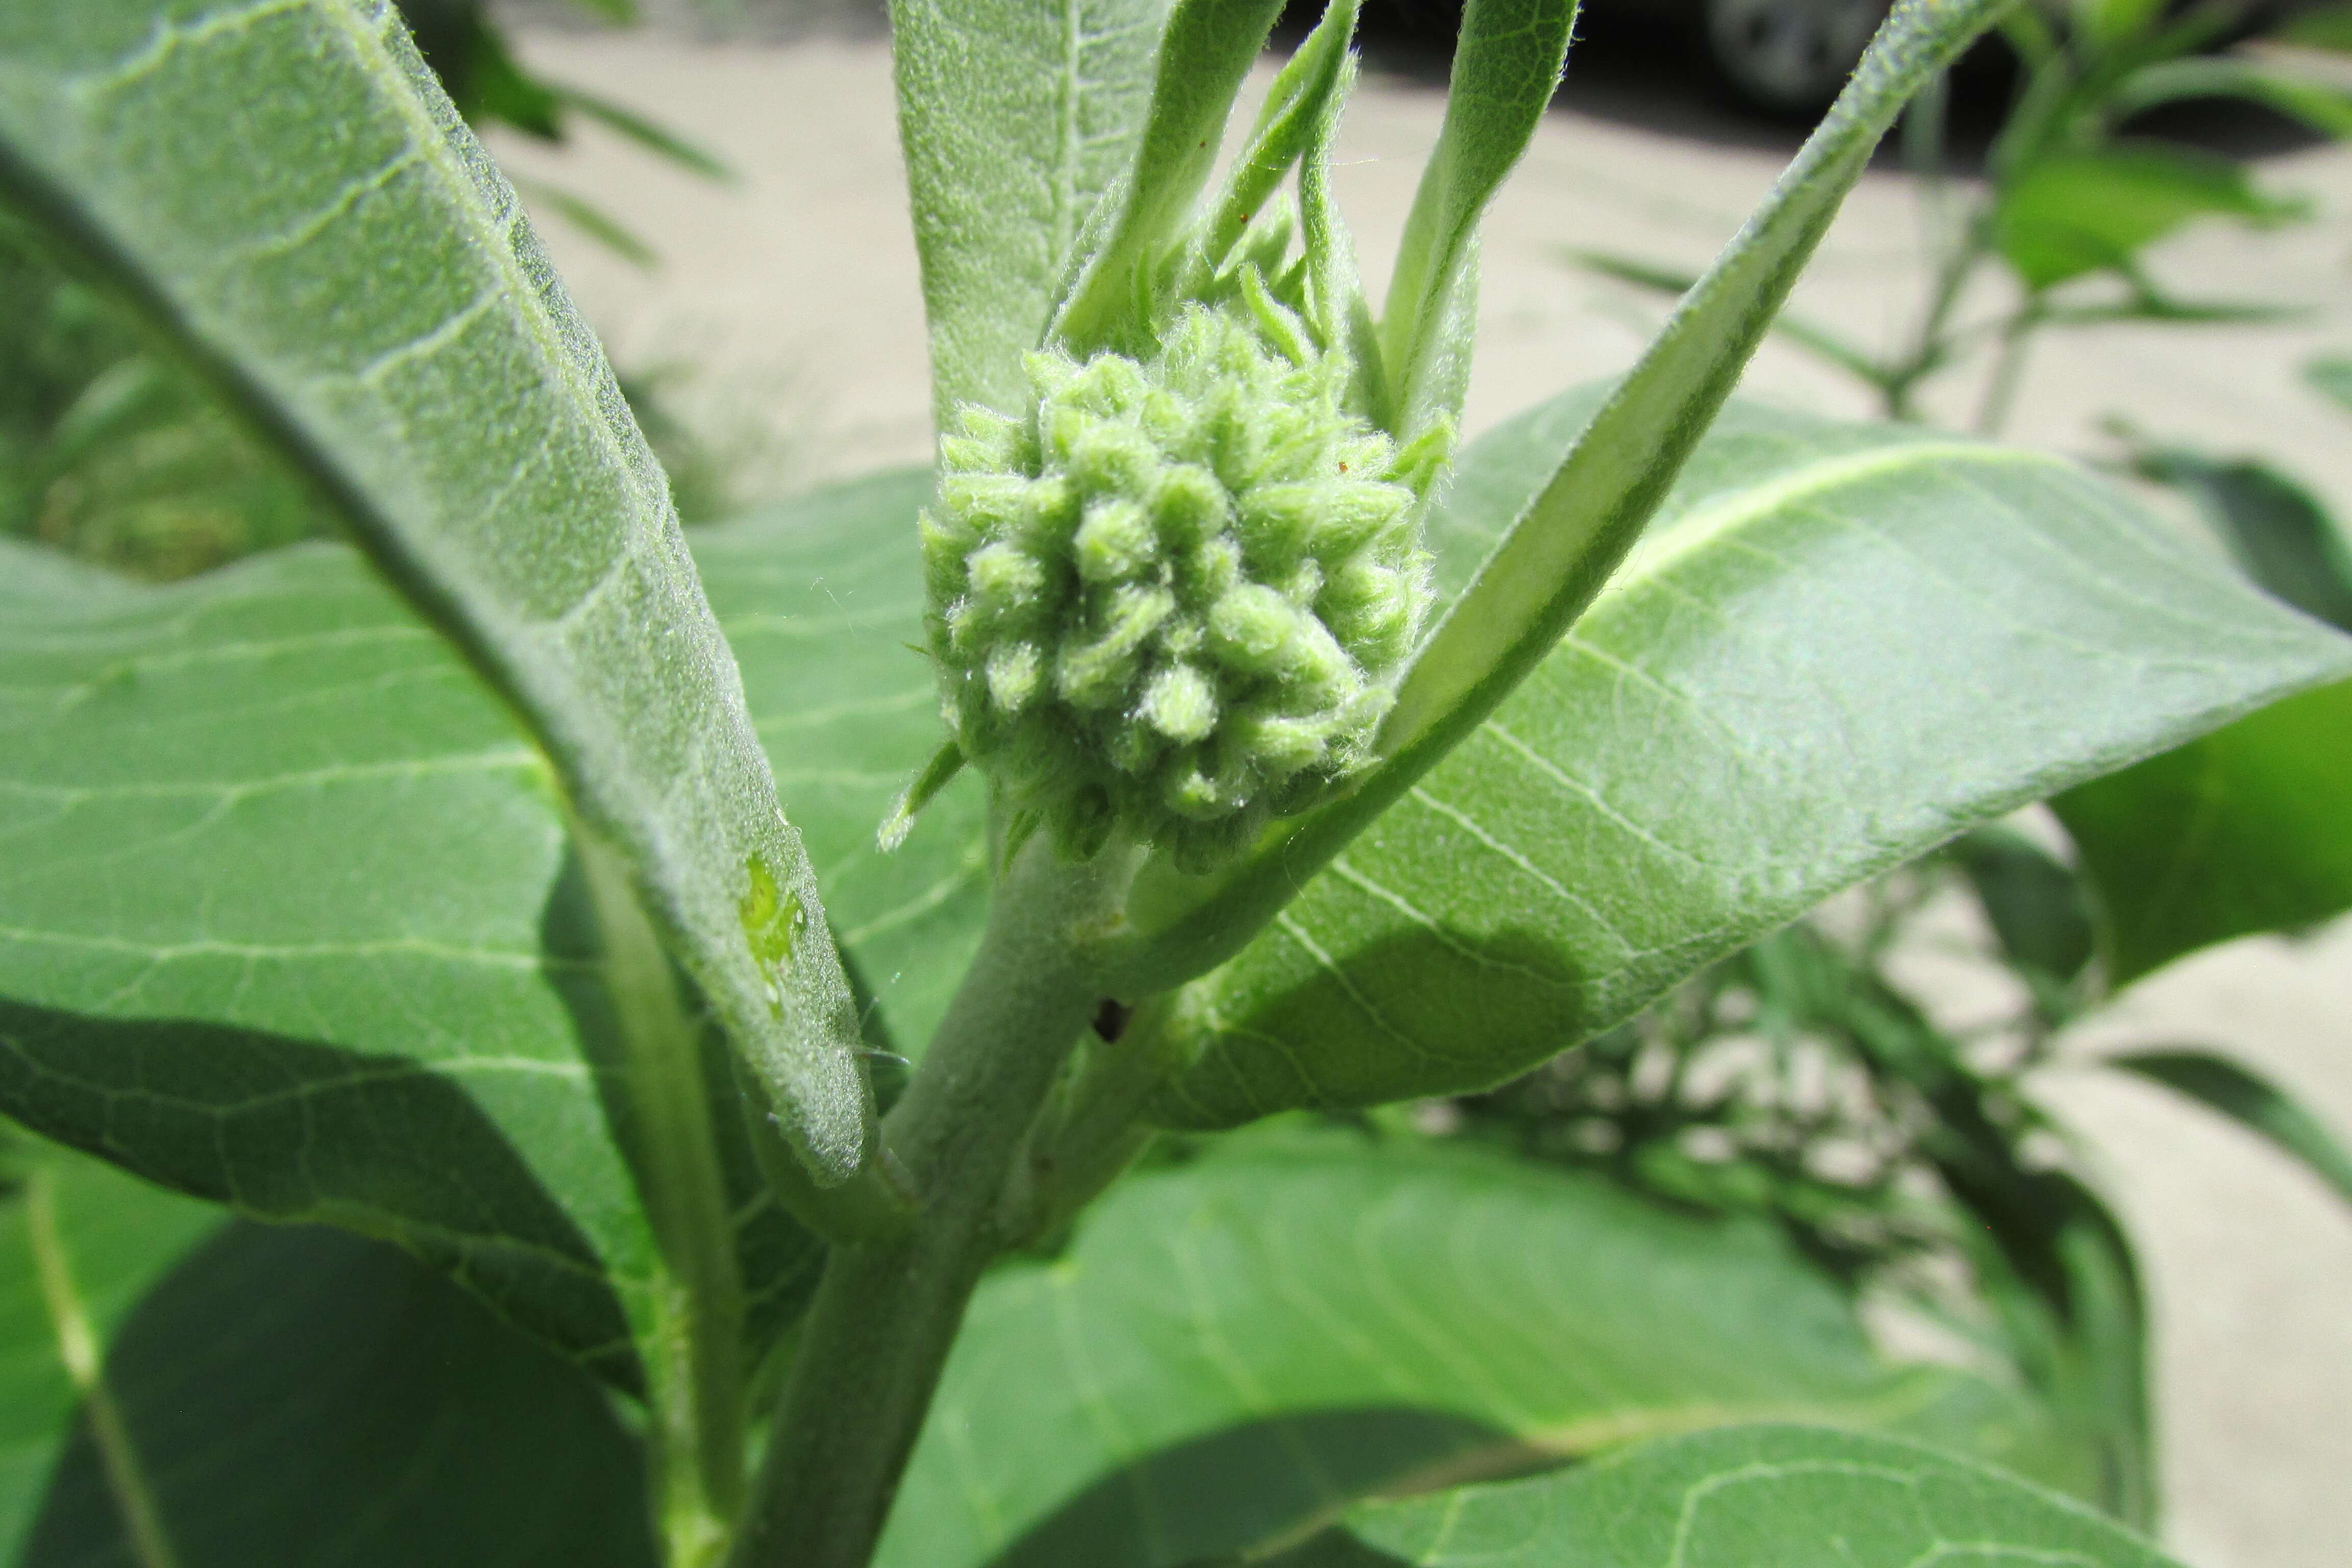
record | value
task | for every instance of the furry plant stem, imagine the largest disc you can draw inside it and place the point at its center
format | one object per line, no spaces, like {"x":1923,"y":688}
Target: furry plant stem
{"x":878,"y":1334}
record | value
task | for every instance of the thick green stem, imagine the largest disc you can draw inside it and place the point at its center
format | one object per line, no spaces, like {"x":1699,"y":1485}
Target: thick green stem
{"x":877,"y":1337}
{"x":698,"y":1392}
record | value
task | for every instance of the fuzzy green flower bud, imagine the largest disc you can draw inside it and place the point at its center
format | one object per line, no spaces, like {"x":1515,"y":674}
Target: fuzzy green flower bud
{"x":1166,"y":603}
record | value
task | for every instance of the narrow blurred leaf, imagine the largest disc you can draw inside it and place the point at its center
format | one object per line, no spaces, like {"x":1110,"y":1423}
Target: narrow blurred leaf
{"x":288,"y":197}
{"x":2317,"y":28}
{"x":1742,"y":1498}
{"x":658,"y":140}
{"x":2323,"y":106}
{"x":2077,"y":213}
{"x":1215,"y":1325}
{"x":1016,"y":119}
{"x":1841,"y":646}
{"x":2240,"y":831}
{"x":2331,"y":378}
{"x":2245,"y":1096}
{"x":1821,"y":342}
{"x":590,"y":220}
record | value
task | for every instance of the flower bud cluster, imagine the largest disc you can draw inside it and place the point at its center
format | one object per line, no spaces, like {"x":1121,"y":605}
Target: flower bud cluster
{"x":1165,"y":601}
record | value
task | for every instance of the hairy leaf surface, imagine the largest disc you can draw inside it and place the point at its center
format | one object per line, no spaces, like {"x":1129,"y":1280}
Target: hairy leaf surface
{"x":1739,"y":1499}
{"x":285,"y":192}
{"x":1016,"y":119}
{"x":288,"y":920}
{"x":1840,"y":646}
{"x":1234,"y":1346}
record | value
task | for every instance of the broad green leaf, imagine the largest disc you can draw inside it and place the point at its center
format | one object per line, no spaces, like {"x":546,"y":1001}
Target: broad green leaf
{"x":1756,"y":1497}
{"x":2033,"y":902}
{"x":1016,"y":119}
{"x":2078,"y":213}
{"x":1506,"y":66}
{"x":2236,"y":832}
{"x":288,"y":197}
{"x":1233,"y":1346}
{"x":2245,"y":1096}
{"x":1841,"y":646}
{"x":300,"y":1397}
{"x":80,"y":1245}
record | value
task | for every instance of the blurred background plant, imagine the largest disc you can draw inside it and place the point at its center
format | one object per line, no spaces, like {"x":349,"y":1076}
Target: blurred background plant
{"x":117,"y":454}
{"x":2074,"y":193}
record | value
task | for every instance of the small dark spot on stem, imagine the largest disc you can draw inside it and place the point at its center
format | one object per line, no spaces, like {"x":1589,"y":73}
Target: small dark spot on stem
{"x":1110,"y":1019}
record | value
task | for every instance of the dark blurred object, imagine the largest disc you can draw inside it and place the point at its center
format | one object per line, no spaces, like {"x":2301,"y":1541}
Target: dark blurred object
{"x":1789,"y":57}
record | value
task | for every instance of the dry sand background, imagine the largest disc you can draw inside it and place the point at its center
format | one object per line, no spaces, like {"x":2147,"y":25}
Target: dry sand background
{"x":795,"y":290}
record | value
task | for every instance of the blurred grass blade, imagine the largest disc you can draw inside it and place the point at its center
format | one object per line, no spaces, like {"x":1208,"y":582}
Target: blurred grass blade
{"x":2321,"y":106}
{"x":289,"y":198}
{"x":655,"y":139}
{"x":1506,"y":66}
{"x":1821,"y":342}
{"x":2254,"y":1102}
{"x":590,"y":220}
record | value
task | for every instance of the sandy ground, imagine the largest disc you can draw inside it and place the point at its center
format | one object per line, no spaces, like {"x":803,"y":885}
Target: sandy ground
{"x":795,"y":292}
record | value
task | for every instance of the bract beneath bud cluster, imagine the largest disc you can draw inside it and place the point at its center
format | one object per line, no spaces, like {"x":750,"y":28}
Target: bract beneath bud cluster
{"x":1164,"y":603}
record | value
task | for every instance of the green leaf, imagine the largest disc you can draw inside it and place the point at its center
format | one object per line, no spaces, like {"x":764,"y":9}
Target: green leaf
{"x":2071,"y":214}
{"x":2278,"y":530}
{"x":1843,"y":645}
{"x":658,"y":140}
{"x":1743,"y":1497}
{"x":80,"y":1245}
{"x":301,"y":1397}
{"x":2033,"y":902}
{"x":2245,"y":1096}
{"x":2237,"y":831}
{"x":278,"y":864}
{"x":2331,"y":378}
{"x":288,"y":197}
{"x":1818,"y":342}
{"x":1234,"y":1346}
{"x":1506,"y":66}
{"x":1016,"y":120}
{"x":2317,"y":28}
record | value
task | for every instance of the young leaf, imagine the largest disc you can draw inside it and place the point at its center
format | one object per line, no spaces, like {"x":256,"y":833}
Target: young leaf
{"x":2245,"y":1096}
{"x":1402,"y":1306}
{"x":1202,"y":62}
{"x":1842,"y":644}
{"x":287,"y":195}
{"x":2078,"y":213}
{"x":1016,"y":119}
{"x":1506,"y":66}
{"x":381,"y":1419}
{"x":1739,"y":1499}
{"x":2236,"y":832}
